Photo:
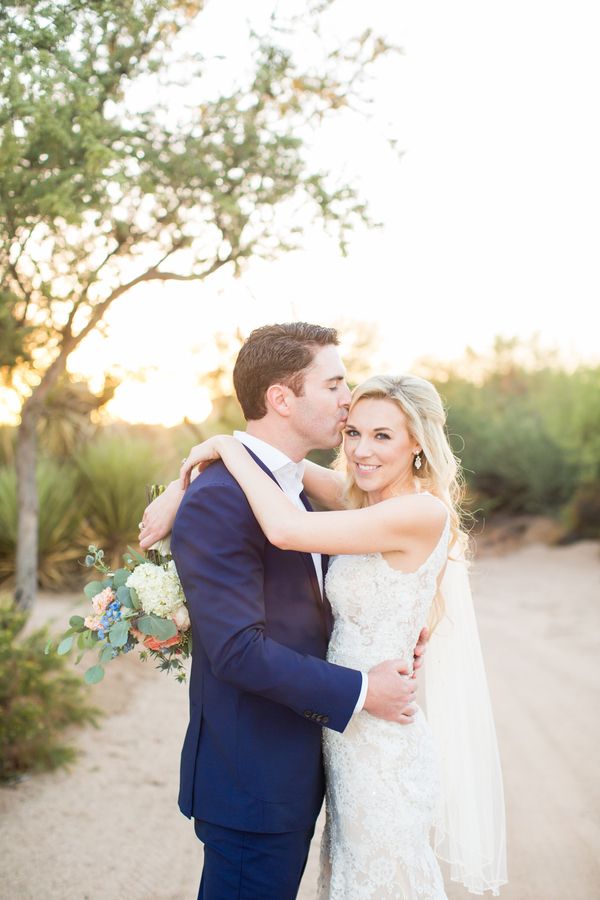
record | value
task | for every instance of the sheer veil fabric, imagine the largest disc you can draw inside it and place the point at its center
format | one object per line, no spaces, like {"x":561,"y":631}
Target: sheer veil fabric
{"x":470,"y":829}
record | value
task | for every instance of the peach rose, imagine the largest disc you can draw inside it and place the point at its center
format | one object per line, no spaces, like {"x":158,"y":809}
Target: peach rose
{"x":153,"y":644}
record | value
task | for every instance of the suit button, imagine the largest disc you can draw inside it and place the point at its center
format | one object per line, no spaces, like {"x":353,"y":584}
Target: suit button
{"x":307,"y":714}
{"x":325,"y":719}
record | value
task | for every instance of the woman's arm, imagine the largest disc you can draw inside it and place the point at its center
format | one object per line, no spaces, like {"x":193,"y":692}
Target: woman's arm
{"x":402,"y":523}
{"x":157,"y":520}
{"x":324,"y":485}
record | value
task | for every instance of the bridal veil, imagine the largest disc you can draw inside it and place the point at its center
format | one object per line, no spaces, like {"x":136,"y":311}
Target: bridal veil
{"x":470,"y":831}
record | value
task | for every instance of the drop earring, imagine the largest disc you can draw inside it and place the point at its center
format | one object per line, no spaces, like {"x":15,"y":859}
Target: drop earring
{"x":418,"y":462}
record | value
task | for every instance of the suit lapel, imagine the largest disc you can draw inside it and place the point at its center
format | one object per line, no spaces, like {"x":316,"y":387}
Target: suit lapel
{"x":308,"y":560}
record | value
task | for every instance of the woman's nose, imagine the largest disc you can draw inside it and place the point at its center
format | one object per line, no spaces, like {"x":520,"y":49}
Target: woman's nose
{"x":362,"y":449}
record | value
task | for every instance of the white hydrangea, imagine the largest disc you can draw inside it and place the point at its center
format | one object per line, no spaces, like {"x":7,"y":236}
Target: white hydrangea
{"x":158,"y":589}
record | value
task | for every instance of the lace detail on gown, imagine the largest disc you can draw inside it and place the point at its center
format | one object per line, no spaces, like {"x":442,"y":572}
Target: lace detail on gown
{"x":382,"y":778}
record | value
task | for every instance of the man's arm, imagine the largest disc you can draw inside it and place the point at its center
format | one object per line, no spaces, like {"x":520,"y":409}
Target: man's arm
{"x":218,"y":551}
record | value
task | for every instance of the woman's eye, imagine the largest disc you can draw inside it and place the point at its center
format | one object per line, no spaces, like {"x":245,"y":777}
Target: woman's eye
{"x":350,"y":432}
{"x":381,"y":434}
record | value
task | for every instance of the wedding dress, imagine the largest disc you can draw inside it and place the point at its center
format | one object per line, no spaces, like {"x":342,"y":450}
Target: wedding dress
{"x":382,"y":777}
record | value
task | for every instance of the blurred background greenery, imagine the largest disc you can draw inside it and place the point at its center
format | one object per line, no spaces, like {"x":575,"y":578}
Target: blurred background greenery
{"x":527,"y":433}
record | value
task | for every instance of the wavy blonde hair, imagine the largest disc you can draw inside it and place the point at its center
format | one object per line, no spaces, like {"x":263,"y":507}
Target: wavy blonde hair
{"x":440,"y":471}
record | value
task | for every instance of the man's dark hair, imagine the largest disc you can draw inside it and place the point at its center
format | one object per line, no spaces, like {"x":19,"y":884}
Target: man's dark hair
{"x":276,"y":354}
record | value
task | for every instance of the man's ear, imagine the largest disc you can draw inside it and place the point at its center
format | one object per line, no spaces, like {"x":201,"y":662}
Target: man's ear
{"x":277,"y":397}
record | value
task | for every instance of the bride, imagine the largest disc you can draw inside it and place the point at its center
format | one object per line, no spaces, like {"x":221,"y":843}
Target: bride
{"x":394,"y":531}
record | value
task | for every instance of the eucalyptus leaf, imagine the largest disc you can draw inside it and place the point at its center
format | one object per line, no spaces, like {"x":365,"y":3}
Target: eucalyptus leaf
{"x":157,"y":627}
{"x":134,"y":598}
{"x":65,"y":645}
{"x":90,"y":639}
{"x":94,"y":675}
{"x":79,"y":657}
{"x":124,"y":596}
{"x":118,"y":634}
{"x":106,"y":654}
{"x":94,"y":587}
{"x":120,"y":577}
{"x":48,"y":647}
{"x":137,"y":556}
{"x":77,"y":623}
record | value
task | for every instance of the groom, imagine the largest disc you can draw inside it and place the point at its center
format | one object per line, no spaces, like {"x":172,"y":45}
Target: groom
{"x":260,"y":688}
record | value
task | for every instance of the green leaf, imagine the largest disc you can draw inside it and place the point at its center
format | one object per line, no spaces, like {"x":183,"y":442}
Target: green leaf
{"x":137,"y":556}
{"x":48,"y":647}
{"x":94,"y":675}
{"x":95,"y":587}
{"x":106,"y":654}
{"x":124,"y":596}
{"x":118,"y":634}
{"x":157,"y":627}
{"x":79,"y":657}
{"x":134,"y":598}
{"x":86,"y":640}
{"x":65,"y":645}
{"x":77,"y":623}
{"x":120,"y":577}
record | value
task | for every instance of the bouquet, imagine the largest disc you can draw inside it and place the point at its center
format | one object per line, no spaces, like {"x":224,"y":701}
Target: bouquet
{"x":141,"y":604}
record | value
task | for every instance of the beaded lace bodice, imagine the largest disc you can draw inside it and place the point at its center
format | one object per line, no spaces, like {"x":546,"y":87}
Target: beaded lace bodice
{"x":382,"y":777}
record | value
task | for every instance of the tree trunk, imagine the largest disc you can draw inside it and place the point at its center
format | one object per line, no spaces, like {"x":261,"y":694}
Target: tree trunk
{"x":27,"y":505}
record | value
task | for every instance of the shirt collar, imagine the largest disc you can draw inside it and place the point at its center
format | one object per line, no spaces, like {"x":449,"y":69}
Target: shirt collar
{"x":275,"y":460}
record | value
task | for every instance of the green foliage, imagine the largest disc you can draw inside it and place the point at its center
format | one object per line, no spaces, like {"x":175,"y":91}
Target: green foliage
{"x":60,"y":522}
{"x":582,"y":515}
{"x":39,"y":699}
{"x":99,"y":496}
{"x":528,"y":435}
{"x":114,"y":473}
{"x":98,"y":180}
{"x":7,"y":445}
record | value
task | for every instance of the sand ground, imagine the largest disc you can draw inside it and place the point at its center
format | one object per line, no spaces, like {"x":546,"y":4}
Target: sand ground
{"x":109,"y":828}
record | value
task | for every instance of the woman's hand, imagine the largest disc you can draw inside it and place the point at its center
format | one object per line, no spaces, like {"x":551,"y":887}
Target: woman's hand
{"x":202,"y":455}
{"x":159,"y":516}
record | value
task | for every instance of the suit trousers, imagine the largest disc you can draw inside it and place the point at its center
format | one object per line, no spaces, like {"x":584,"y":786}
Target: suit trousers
{"x":246,"y":865}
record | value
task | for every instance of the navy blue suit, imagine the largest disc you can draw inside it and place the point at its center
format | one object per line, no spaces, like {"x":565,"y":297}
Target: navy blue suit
{"x":260,"y":688}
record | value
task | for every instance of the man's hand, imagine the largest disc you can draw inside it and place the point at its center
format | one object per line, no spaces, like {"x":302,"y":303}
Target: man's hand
{"x":391,"y":692}
{"x":420,"y":648}
{"x":159,"y":515}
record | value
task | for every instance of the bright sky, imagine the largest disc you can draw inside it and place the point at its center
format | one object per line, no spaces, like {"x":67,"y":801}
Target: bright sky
{"x":490,"y":215}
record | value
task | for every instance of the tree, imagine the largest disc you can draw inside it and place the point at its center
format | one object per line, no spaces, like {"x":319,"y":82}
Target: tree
{"x":97,"y":197}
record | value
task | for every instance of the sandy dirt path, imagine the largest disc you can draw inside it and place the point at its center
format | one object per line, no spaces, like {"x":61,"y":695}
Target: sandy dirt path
{"x":110,"y":829}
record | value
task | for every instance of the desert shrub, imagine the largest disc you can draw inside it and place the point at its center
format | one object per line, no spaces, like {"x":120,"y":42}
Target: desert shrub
{"x":582,"y":515}
{"x":7,"y":444}
{"x":39,"y":699}
{"x":114,"y":473}
{"x":527,"y":439}
{"x":60,"y":535}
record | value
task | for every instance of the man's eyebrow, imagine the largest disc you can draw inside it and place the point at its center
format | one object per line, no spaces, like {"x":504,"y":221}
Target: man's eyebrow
{"x":335,"y":378}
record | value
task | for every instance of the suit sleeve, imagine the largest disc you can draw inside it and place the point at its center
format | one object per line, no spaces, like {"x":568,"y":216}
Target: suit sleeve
{"x":218,"y":550}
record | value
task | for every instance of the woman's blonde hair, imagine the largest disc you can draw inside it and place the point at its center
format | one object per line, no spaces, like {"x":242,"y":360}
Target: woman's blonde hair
{"x":440,"y":471}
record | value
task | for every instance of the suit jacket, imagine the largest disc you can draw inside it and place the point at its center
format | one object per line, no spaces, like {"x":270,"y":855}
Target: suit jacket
{"x":260,"y":688}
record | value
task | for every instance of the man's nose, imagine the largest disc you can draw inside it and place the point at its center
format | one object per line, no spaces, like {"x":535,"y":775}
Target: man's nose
{"x":345,"y":396}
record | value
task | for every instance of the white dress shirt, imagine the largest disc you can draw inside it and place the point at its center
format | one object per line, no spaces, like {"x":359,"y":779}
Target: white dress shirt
{"x":289,"y":475}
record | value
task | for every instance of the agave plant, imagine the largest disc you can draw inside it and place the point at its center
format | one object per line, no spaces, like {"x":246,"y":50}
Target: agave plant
{"x":114,"y":474}
{"x":61,"y":535}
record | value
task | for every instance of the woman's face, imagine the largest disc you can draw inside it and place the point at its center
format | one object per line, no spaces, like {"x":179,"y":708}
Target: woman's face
{"x":379,"y":449}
